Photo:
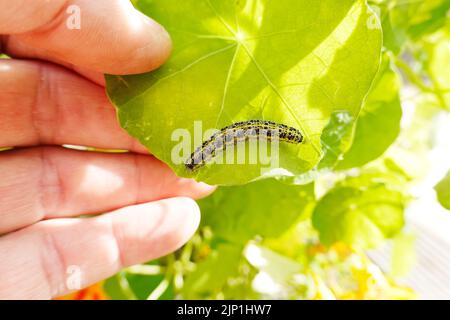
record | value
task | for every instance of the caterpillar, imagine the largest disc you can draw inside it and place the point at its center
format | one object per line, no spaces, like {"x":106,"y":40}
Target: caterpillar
{"x":239,"y":132}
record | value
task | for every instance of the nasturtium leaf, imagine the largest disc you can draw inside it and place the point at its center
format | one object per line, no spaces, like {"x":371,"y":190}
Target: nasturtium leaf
{"x":430,"y":16}
{"x":264,"y":208}
{"x":394,"y":32}
{"x":336,"y":138}
{"x":362,"y":214}
{"x":378,"y":125}
{"x":443,"y":191}
{"x":404,"y":20}
{"x":293,"y":62}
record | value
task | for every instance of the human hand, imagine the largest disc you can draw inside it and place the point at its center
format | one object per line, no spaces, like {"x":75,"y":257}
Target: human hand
{"x":45,"y":187}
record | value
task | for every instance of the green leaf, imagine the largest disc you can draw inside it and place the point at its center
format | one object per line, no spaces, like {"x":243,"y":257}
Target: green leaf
{"x":212,"y":274}
{"x":289,"y":61}
{"x":378,"y":125}
{"x":443,"y":191}
{"x":266,"y":208}
{"x":394,"y":32}
{"x":403,"y":20}
{"x":430,"y":16}
{"x":143,"y":286}
{"x":362,"y":212}
{"x":118,"y":288}
{"x":336,"y":138}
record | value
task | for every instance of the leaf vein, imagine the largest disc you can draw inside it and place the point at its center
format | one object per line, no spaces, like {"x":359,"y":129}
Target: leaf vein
{"x":227,"y":84}
{"x":278,"y":93}
{"x":187,"y":67}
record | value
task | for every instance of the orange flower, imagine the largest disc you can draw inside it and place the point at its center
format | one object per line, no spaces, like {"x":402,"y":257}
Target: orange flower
{"x":94,"y":292}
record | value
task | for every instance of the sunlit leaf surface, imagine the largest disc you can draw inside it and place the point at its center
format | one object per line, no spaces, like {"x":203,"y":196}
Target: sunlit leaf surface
{"x":289,"y":61}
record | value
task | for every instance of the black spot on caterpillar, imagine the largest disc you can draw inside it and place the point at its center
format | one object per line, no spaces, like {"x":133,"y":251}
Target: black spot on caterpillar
{"x":239,"y":132}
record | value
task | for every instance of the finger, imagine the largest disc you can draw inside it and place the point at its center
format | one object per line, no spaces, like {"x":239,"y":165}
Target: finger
{"x":43,"y":183}
{"x":112,"y":36}
{"x":44,"y":104}
{"x":39,"y":262}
